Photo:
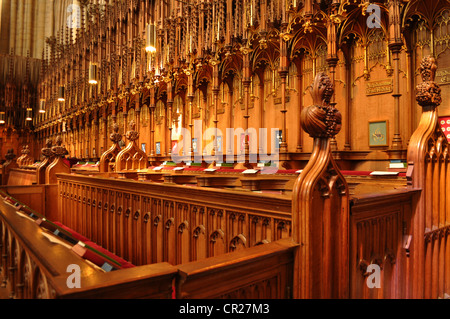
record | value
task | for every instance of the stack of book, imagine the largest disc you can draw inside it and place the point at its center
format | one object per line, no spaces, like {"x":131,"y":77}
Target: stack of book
{"x":397,"y":166}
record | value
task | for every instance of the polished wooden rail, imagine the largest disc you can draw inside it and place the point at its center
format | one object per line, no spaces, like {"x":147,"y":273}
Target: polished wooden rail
{"x":268,"y":268}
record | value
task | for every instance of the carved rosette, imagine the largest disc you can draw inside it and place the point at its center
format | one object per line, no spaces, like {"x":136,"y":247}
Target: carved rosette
{"x":321,"y":119}
{"x":428,"y":92}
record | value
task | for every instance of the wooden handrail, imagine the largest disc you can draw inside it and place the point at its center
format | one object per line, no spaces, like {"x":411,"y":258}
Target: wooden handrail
{"x":34,"y":265}
{"x":268,"y":267}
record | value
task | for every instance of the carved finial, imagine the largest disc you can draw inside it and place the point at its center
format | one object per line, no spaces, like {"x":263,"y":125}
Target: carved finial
{"x":428,"y":68}
{"x":25,"y":149}
{"x":10,"y":155}
{"x":47,"y":151}
{"x":115,"y":136}
{"x":59,"y":150}
{"x":321,"y":119}
{"x":132,"y":135}
{"x":428,"y":92}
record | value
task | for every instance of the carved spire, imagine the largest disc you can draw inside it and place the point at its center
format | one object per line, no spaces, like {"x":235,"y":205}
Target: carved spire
{"x":428,"y":92}
{"x":321,"y":119}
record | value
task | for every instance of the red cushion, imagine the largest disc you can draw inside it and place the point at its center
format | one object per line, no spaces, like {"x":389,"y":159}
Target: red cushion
{"x":121,"y":261}
{"x":358,"y":173}
{"x":76,"y":235}
{"x":92,"y":256}
{"x":288,"y":171}
{"x":192,"y":169}
{"x":232,"y":170}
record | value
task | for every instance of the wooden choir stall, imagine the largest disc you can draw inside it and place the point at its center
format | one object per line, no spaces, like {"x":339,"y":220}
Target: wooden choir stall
{"x":312,"y":240}
{"x":218,"y":149}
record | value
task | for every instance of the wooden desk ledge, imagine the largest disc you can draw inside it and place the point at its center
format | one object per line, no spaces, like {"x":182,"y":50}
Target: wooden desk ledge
{"x":236,"y":258}
{"x":217,"y":181}
{"x":147,"y":281}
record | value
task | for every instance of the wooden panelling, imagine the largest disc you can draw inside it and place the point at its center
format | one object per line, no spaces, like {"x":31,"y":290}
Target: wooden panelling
{"x":262,"y":272}
{"x":148,"y":223}
{"x":18,"y":176}
{"x":378,"y":231}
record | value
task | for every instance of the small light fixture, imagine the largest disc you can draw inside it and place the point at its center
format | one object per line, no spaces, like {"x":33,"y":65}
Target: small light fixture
{"x":42,"y":107}
{"x":2,"y":117}
{"x":29,"y":114}
{"x":150,"y":38}
{"x":61,"y":94}
{"x":93,"y":74}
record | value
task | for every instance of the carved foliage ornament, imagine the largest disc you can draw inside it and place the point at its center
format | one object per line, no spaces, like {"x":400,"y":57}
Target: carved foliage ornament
{"x":115,"y":136}
{"x":428,"y":92}
{"x":10,"y":155}
{"x":58,"y":150}
{"x":132,"y":134}
{"x":25,"y":149}
{"x":321,"y":119}
{"x":47,"y":151}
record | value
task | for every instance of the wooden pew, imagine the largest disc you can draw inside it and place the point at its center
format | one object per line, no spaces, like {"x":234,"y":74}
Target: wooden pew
{"x":154,"y":222}
{"x":35,"y":261}
{"x":268,"y":267}
{"x":21,"y":176}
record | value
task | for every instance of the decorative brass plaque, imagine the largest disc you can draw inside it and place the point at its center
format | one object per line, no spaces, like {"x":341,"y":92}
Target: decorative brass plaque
{"x":443,"y":76}
{"x":379,"y":87}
